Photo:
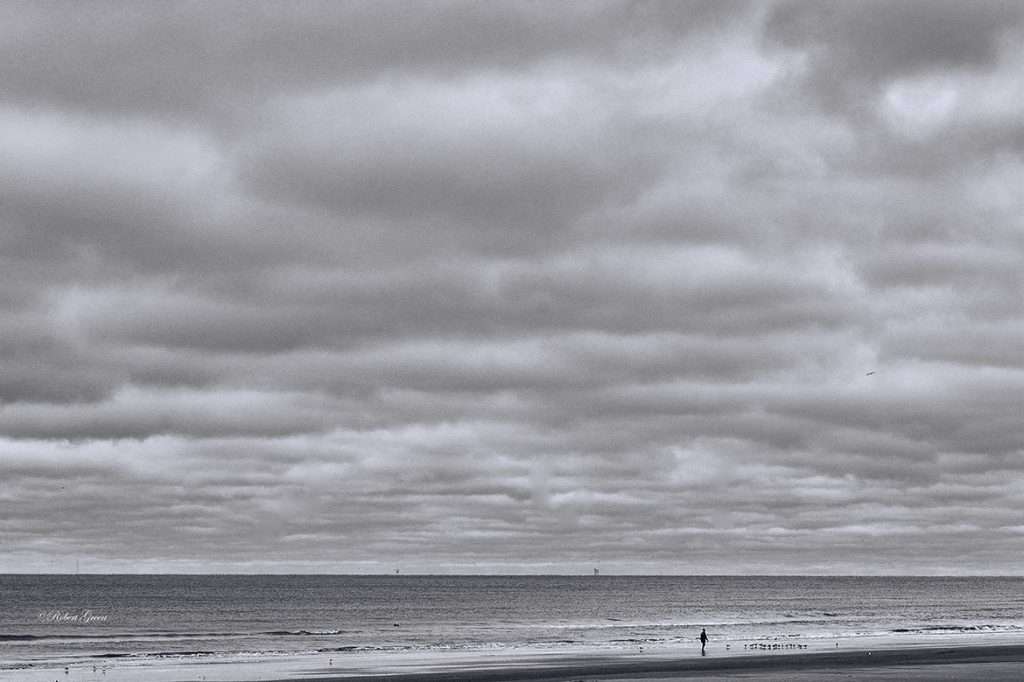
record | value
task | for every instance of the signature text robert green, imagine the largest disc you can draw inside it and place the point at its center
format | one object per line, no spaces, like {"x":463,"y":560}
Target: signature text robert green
{"x":70,"y":617}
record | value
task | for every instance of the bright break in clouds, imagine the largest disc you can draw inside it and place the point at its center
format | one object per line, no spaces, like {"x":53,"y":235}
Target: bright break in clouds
{"x":654,"y":287}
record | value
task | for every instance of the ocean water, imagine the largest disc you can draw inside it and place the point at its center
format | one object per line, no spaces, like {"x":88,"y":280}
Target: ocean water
{"x":49,"y":621}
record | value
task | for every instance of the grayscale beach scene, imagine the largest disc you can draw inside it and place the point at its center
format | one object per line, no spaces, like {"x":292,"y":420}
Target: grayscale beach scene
{"x":511,"y":340}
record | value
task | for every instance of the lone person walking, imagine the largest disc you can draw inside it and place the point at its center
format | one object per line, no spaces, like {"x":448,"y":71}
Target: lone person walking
{"x":703,"y":639}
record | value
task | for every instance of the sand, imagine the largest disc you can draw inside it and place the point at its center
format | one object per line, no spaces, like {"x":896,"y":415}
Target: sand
{"x":988,"y":663}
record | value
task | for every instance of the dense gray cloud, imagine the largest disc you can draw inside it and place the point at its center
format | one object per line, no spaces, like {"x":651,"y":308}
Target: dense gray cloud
{"x":854,"y":47}
{"x":489,"y":287}
{"x":184,"y":57}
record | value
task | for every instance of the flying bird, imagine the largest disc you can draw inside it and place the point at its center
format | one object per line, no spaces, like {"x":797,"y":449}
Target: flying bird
{"x":869,"y":374}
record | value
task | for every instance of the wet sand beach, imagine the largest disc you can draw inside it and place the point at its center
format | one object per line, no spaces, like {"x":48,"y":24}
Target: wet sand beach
{"x":963,"y":663}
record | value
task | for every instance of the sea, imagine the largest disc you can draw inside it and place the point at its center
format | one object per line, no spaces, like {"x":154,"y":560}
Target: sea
{"x":92,"y":622}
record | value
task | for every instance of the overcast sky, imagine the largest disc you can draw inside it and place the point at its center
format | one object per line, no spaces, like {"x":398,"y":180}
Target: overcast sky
{"x":530,"y":287}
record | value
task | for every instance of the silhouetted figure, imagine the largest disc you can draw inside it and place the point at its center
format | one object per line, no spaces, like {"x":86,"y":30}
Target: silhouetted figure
{"x":703,"y":639}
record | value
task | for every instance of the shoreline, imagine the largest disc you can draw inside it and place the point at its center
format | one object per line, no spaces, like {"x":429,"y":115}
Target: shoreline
{"x":990,"y":662}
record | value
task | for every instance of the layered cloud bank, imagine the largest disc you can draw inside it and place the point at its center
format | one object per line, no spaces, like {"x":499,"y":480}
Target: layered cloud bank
{"x":702,"y":287}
